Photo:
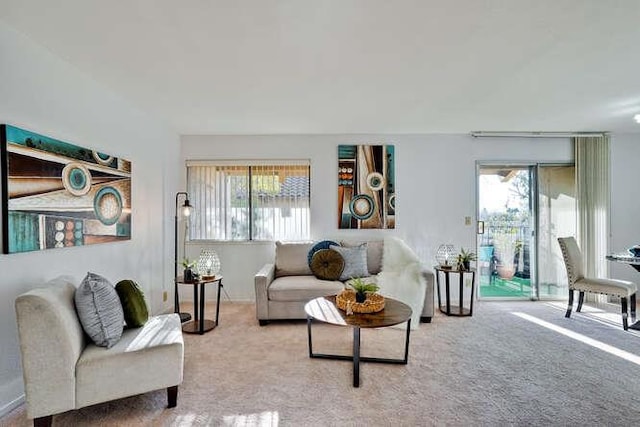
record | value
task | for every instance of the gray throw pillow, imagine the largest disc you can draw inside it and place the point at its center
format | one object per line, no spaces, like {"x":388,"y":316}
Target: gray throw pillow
{"x":355,"y":261}
{"x":99,"y":310}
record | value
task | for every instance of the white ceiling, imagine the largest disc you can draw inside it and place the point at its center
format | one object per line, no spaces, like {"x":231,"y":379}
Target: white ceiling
{"x":354,"y":66}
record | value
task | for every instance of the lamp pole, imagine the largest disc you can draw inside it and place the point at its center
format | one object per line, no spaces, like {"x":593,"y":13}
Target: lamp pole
{"x":184,"y":317}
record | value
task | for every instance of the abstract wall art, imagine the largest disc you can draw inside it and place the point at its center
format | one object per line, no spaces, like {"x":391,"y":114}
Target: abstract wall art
{"x":366,"y":186}
{"x":56,"y":194}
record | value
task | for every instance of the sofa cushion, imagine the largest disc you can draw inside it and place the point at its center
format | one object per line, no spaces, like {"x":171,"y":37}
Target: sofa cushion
{"x":355,"y":261}
{"x":134,"y":306}
{"x":99,"y":310}
{"x":302,"y":288}
{"x":291,"y":258}
{"x":146,"y":358}
{"x":324,"y":244}
{"x":374,"y":254}
{"x":327,"y":264}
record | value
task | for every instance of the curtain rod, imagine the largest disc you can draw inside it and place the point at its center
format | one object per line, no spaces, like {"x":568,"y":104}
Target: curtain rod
{"x":499,"y":134}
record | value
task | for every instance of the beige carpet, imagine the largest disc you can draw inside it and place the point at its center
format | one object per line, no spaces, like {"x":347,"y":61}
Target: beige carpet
{"x":496,"y":368}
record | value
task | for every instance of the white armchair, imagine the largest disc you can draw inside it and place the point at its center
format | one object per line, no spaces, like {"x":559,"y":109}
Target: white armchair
{"x":62,"y":371}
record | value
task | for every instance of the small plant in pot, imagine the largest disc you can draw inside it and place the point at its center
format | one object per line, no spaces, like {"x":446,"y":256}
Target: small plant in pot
{"x":464,"y":259}
{"x":362,"y":288}
{"x":188,"y":269}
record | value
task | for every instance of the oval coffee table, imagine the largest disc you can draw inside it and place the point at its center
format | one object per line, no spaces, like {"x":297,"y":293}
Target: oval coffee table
{"x":324,"y":310}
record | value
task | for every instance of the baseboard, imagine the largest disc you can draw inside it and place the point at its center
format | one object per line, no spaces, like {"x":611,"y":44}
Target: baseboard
{"x":4,"y":410}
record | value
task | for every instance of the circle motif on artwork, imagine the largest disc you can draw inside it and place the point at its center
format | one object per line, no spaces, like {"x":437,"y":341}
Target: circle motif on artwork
{"x":107,"y":205}
{"x":76,"y":179}
{"x":361,"y":206}
{"x":392,"y":201}
{"x":103,"y":159}
{"x":375,"y":181}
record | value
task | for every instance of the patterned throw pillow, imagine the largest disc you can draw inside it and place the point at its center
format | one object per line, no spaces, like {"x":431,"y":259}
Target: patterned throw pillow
{"x":134,"y":306}
{"x":324,"y":244}
{"x":99,"y":310}
{"x":327,"y":264}
{"x":355,"y":261}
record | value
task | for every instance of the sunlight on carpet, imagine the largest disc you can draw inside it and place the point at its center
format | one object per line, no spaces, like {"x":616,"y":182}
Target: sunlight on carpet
{"x":262,"y":419}
{"x":579,"y":337}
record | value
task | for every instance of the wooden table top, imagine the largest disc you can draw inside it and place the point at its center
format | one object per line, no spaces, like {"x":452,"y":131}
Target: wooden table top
{"x":180,"y":279}
{"x":324,"y":309}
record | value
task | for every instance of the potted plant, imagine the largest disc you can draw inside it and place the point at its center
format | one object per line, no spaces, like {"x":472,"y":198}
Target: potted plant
{"x":464,"y":259}
{"x":506,"y":245}
{"x":362,"y":288}
{"x":188,"y":269}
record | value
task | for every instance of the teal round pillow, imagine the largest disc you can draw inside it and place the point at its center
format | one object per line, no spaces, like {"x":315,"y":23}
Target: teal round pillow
{"x":134,"y":306}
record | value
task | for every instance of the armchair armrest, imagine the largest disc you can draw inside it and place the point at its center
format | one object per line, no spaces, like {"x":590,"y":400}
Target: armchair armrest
{"x":262,"y":280}
{"x":427,"y":308}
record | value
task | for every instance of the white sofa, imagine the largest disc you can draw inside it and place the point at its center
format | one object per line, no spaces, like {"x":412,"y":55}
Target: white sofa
{"x":285,"y":286}
{"x":64,"y":370}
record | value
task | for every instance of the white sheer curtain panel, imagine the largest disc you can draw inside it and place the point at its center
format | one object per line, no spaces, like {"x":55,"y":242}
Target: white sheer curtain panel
{"x":593,"y":191}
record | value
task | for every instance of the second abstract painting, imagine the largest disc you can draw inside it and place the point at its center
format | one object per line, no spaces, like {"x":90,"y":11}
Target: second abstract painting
{"x":366,"y":186}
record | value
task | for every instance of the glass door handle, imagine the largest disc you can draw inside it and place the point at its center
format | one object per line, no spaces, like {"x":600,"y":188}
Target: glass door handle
{"x":480,"y":227}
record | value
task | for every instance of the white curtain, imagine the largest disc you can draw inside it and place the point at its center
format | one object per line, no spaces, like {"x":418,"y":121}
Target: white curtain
{"x":593,"y":194}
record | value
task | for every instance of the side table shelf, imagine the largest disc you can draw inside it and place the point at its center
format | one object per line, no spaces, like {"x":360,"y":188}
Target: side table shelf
{"x":455,"y":310}
{"x":200,"y":325}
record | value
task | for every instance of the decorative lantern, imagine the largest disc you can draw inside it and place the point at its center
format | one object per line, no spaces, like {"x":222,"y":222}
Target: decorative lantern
{"x":446,"y":255}
{"x":208,"y":263}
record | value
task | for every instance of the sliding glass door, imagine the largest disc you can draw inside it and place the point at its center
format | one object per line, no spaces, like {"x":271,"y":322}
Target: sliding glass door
{"x":522,"y":210}
{"x":557,"y":217}
{"x":506,"y":231}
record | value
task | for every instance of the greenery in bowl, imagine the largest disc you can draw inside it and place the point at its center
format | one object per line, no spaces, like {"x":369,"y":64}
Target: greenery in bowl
{"x":361,"y":287}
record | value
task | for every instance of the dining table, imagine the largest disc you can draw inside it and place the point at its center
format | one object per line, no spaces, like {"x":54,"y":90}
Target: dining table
{"x":633,"y":261}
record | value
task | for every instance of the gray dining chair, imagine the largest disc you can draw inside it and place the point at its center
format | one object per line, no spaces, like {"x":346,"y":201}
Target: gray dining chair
{"x":623,"y":289}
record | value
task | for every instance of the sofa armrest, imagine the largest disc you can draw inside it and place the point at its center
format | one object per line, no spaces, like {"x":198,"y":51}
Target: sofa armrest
{"x":262,"y":280}
{"x":427,"y":308}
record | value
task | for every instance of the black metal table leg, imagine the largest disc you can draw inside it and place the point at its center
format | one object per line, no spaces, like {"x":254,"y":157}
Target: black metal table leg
{"x":201,"y":326}
{"x":446,"y":282}
{"x":195,"y":303}
{"x":218,"y":301}
{"x":356,"y":356}
{"x":461,"y":283}
{"x":406,"y":342}
{"x":309,"y":336}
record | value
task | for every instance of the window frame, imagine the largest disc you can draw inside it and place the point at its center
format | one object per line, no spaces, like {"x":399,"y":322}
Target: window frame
{"x":250,"y":165}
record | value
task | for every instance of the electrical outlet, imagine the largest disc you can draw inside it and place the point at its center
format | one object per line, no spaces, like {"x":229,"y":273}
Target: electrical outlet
{"x":165,"y":296}
{"x":467,"y":220}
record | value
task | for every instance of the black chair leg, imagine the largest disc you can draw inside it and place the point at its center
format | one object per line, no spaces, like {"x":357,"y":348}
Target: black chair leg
{"x":625,"y":325}
{"x":172,"y":396}
{"x":570,"y":304}
{"x":45,"y":421}
{"x":633,"y":307}
{"x":580,"y":301}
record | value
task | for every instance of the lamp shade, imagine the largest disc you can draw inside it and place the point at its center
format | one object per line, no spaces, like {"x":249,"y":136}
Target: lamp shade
{"x":208,"y":263}
{"x":186,"y":209}
{"x":446,"y":255}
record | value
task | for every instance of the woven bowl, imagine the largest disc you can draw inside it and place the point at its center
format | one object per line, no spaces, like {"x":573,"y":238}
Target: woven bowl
{"x":373,"y":303}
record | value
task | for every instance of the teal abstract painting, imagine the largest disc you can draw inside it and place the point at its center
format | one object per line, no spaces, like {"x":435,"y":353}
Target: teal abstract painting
{"x":56,"y":194}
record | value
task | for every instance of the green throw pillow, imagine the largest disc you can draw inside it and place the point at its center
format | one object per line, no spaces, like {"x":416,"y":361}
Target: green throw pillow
{"x":133,"y":304}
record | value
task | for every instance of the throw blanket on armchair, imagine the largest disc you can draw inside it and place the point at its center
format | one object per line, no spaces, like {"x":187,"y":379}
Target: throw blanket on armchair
{"x":401,"y":277}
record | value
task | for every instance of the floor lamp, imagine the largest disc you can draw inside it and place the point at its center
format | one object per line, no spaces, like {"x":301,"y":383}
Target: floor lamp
{"x":185,"y":211}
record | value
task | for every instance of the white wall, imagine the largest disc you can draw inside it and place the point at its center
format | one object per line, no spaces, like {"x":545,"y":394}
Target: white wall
{"x":435,"y":177}
{"x":40,"y":92}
